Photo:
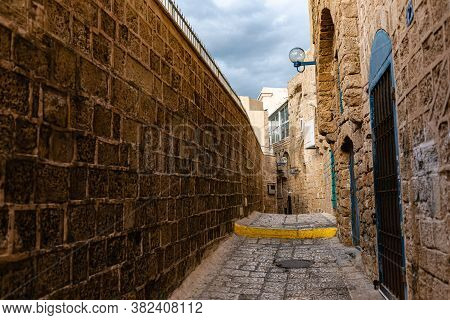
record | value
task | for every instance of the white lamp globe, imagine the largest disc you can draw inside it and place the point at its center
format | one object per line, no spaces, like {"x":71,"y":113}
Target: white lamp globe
{"x":297,"y":55}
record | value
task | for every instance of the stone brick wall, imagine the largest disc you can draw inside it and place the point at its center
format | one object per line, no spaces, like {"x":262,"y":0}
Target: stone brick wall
{"x":122,"y":158}
{"x":339,"y":105}
{"x":421,"y":65}
{"x":343,"y":32}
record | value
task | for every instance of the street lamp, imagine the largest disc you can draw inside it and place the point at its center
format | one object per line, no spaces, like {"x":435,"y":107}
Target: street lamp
{"x":297,"y":57}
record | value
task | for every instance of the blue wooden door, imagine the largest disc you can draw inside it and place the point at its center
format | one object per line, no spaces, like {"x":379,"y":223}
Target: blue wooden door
{"x":391,"y":251}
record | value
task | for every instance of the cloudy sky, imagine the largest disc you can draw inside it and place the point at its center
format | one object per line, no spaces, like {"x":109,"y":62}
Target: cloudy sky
{"x":251,"y":39}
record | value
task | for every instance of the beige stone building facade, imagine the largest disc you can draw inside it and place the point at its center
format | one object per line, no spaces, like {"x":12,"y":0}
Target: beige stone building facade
{"x":383,"y":106}
{"x":303,"y":177}
{"x":258,"y":116}
{"x":258,"y":119}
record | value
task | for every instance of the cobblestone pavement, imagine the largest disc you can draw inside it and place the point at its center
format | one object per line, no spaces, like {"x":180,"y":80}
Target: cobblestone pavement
{"x":281,"y":221}
{"x":243,"y":268}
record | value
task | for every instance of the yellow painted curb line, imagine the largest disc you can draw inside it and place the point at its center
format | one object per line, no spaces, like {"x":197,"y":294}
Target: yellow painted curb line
{"x":257,"y":232}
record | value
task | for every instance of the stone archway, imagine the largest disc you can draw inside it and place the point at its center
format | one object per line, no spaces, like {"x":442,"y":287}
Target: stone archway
{"x":326,"y":80}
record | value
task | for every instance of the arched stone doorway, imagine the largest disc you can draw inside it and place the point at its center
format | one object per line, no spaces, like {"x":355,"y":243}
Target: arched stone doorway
{"x":349,"y":152}
{"x":326,"y":80}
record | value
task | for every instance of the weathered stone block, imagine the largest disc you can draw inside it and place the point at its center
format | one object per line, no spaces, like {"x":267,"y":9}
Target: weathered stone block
{"x":146,"y":186}
{"x":115,"y":181}
{"x":102,"y":121}
{"x":79,"y":268}
{"x":131,"y":18}
{"x":123,"y":35}
{"x":52,"y":184}
{"x":158,"y":44}
{"x":85,"y":148}
{"x":61,"y":149}
{"x":108,"y":154}
{"x":176,"y":80}
{"x":98,"y":183}
{"x":53,"y":270}
{"x":166,"y":72}
{"x":166,"y":234}
{"x":124,"y":155}
{"x":110,"y":285}
{"x":134,"y":45}
{"x":58,"y":20}
{"x":89,"y":289}
{"x":168,"y":54}
{"x":127,"y":272}
{"x":64,"y":66}
{"x":24,"y":230}
{"x":145,"y":269}
{"x":78,"y":183}
{"x":124,"y":96}
{"x":109,"y":218}
{"x":116,"y":126}
{"x":116,"y":250}
{"x":133,"y":159}
{"x":26,"y":136}
{"x":14,"y":92}
{"x":130,"y":184}
{"x":17,"y":279}
{"x":45,"y":133}
{"x":158,"y":89}
{"x":55,"y":107}
{"x":81,"y":114}
{"x":94,"y":80}
{"x":80,"y":38}
{"x":426,"y":233}
{"x":119,"y":9}
{"x":87,"y":10}
{"x":81,"y":222}
{"x":97,"y":256}
{"x":438,"y":9}
{"x":19,"y":180}
{"x":145,"y":31}
{"x":441,"y":236}
{"x":119,"y":60}
{"x":170,"y":98}
{"x":134,"y":244}
{"x":6,"y":135}
{"x":129,"y":131}
{"x":102,"y":49}
{"x":51,"y":227}
{"x":108,"y":24}
{"x":5,"y":42}
{"x":155,"y":63}
{"x":4,"y":221}
{"x":139,"y":75}
{"x":31,"y":57}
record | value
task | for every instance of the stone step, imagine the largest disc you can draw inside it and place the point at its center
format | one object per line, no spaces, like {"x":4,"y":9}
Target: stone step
{"x":279,"y":226}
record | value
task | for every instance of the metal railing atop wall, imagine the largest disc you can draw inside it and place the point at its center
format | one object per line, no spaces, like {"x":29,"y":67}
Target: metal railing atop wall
{"x":186,"y":28}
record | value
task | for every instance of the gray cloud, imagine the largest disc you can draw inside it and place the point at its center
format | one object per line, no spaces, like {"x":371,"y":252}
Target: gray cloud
{"x":251,"y":39}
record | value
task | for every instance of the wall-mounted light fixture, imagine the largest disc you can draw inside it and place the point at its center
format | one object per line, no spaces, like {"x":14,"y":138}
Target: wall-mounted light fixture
{"x":297,"y":57}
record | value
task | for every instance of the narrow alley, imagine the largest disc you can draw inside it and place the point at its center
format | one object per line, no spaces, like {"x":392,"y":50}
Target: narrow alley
{"x":132,"y":168}
{"x":267,"y":268}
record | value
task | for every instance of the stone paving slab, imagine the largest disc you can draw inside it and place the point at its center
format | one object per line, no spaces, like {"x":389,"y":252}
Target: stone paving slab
{"x":245,"y":268}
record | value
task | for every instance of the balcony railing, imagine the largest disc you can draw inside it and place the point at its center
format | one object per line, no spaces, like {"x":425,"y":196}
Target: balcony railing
{"x":173,"y":10}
